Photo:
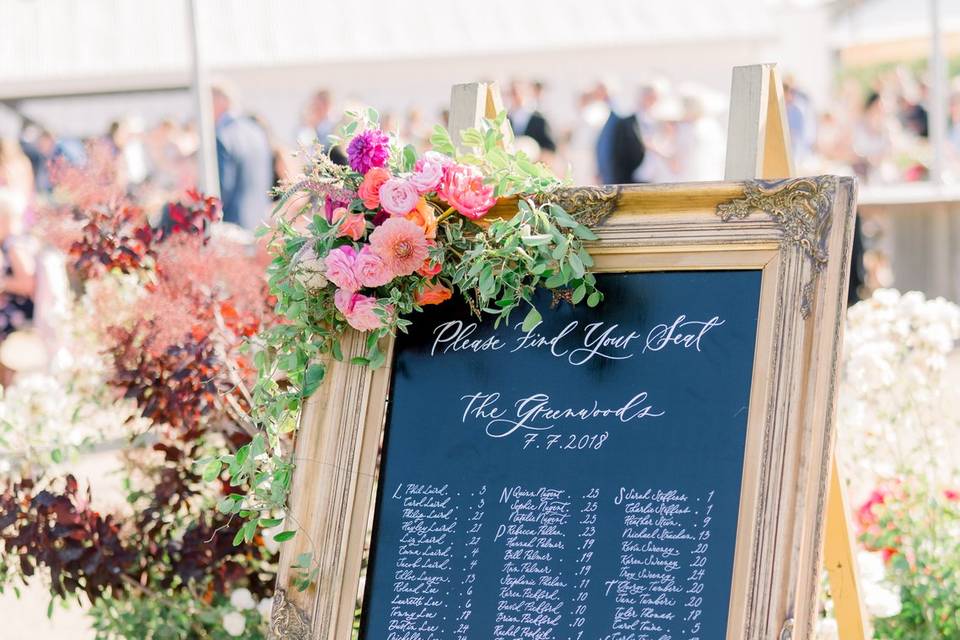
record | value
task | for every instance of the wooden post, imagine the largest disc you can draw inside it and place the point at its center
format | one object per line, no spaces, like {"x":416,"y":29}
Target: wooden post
{"x":758,"y":146}
{"x":472,"y":102}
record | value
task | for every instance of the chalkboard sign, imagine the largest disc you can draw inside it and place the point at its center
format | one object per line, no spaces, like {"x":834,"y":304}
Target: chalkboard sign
{"x":581,"y":480}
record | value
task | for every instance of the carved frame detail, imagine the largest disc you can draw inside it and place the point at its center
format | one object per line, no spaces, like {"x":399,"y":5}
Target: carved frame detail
{"x":801,"y":207}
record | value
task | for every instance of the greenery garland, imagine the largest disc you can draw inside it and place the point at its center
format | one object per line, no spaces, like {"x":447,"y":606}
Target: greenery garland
{"x":367,"y":246}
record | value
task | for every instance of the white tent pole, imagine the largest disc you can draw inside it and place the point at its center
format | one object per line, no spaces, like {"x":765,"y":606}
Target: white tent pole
{"x":208,"y":178}
{"x":937,"y":115}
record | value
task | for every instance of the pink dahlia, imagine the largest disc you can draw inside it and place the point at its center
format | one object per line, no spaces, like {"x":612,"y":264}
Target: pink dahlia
{"x":401,"y":244}
{"x":368,"y":149}
{"x":464,"y":190}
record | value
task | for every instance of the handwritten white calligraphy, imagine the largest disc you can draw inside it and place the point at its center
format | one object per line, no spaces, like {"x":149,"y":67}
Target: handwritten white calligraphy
{"x":535,"y":413}
{"x":577,"y":344}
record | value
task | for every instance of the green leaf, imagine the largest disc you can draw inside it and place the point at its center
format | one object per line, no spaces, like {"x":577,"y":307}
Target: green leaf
{"x":556,"y":280}
{"x":283,"y":536}
{"x":440,"y":141}
{"x":486,"y":282}
{"x":533,"y":317}
{"x":211,"y":470}
{"x":576,"y":265}
{"x":313,"y":378}
{"x":56,"y":455}
{"x":594,"y":299}
{"x":584,"y":233}
{"x":304,"y":560}
{"x":409,"y":157}
{"x":373,"y":116}
{"x":578,"y":294}
{"x":472,"y":138}
{"x":266,"y":523}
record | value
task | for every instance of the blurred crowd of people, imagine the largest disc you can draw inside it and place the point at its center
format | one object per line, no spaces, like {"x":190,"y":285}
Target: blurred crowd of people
{"x":653,"y":133}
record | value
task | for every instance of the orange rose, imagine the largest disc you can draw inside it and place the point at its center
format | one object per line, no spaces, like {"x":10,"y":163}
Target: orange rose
{"x":430,"y":268}
{"x":433,"y":293}
{"x":369,"y":190}
{"x":422,"y":216}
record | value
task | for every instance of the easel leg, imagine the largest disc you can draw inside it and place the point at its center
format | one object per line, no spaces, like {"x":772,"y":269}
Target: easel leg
{"x":840,"y":563}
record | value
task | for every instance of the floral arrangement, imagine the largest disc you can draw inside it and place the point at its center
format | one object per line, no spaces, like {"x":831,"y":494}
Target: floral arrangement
{"x":367,"y":245}
{"x":897,"y":445}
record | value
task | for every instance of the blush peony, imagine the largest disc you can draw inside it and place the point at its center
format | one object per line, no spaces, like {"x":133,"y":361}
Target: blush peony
{"x":398,"y":196}
{"x":401,"y":244}
{"x":464,"y":190}
{"x":433,"y":293}
{"x":369,"y":190}
{"x":371,"y":270}
{"x":340,"y":268}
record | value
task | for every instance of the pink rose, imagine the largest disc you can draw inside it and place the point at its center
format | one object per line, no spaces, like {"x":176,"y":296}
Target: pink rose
{"x":428,"y":172}
{"x":398,"y":196}
{"x":340,"y":268}
{"x":371,"y":270}
{"x":359,"y":310}
{"x":464,"y":190}
{"x":343,"y":301}
{"x":353,"y":226}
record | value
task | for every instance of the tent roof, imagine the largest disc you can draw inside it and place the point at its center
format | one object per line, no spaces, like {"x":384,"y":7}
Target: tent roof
{"x":80,"y":46}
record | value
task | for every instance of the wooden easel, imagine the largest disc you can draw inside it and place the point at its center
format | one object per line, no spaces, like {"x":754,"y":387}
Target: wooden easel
{"x":758,"y":146}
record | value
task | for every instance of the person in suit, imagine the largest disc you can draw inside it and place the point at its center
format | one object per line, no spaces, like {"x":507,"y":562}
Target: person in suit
{"x":620,"y":148}
{"x":245,"y":163}
{"x":526,"y":119}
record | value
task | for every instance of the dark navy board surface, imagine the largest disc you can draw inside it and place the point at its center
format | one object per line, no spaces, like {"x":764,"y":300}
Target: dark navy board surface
{"x":580,"y":481}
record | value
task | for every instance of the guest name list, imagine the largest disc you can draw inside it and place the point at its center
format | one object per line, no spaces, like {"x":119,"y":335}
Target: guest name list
{"x":580,"y":480}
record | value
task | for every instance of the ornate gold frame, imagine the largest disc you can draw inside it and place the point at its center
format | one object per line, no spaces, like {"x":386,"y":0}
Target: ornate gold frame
{"x":798,"y":232}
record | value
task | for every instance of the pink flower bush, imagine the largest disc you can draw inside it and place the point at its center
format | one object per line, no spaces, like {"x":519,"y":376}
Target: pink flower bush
{"x":464,"y":190}
{"x":359,"y":310}
{"x":400,"y":243}
{"x":398,"y":197}
{"x":370,"y":269}
{"x":428,"y":171}
{"x":340,"y":268}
